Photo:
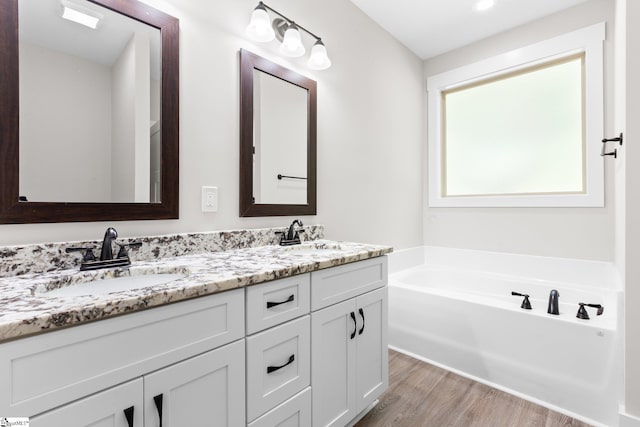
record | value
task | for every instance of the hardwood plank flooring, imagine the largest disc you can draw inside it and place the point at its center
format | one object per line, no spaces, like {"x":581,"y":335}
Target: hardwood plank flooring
{"x":424,"y":395}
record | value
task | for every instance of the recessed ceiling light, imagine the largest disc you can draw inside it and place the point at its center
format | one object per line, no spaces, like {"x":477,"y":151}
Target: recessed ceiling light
{"x":80,"y":14}
{"x":485,"y":4}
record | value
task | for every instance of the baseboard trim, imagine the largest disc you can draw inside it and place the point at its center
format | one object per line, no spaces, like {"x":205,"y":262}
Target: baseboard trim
{"x":627,"y":420}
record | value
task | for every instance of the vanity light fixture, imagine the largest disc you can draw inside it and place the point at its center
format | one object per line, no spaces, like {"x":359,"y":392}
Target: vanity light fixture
{"x":80,"y":14}
{"x":261,"y":29}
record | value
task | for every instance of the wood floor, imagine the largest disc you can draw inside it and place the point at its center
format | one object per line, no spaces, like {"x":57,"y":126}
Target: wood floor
{"x":420,"y":394}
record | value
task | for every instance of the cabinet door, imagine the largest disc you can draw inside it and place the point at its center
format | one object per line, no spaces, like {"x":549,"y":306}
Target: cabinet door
{"x":206,"y":390}
{"x":104,"y":409}
{"x":372,"y":364}
{"x":333,"y":352}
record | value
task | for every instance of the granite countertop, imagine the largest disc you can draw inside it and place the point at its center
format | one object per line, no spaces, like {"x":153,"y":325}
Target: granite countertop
{"x":27,"y":308}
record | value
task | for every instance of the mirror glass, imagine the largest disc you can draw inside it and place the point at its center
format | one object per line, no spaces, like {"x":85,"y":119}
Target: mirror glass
{"x":277,"y":139}
{"x":280,"y":140}
{"x":89,"y":117}
{"x":89,"y":105}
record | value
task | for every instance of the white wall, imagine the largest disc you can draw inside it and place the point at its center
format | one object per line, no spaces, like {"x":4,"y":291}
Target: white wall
{"x":629,"y":232}
{"x":49,"y":111}
{"x":586,"y":233}
{"x":131,"y":112}
{"x":142,"y":117}
{"x":123,"y":112}
{"x":370,"y":119}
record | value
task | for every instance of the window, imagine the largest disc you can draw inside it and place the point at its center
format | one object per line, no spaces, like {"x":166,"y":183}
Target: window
{"x":520,"y":129}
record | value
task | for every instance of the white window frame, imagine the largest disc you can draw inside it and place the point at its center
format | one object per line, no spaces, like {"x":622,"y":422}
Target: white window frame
{"x":588,"y":40}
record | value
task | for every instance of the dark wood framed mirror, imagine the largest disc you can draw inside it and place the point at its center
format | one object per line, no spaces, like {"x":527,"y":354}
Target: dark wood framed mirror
{"x":277,"y":139}
{"x":15,"y":206}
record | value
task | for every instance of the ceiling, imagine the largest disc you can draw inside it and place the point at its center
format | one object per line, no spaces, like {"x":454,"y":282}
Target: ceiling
{"x":432,"y":27}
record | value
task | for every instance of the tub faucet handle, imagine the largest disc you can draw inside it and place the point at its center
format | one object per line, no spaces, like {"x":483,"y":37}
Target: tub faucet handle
{"x":525,"y":302}
{"x":582,"y":312}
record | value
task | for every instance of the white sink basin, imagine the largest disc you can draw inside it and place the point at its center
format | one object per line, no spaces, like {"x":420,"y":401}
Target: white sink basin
{"x":115,"y":284}
{"x":315,"y":249}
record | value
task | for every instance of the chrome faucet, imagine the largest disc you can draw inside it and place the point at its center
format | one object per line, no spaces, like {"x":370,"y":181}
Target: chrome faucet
{"x":106,"y":253}
{"x":553,"y":302}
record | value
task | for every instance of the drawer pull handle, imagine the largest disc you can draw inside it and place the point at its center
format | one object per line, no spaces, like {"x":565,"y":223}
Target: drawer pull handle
{"x":361,"y":315}
{"x":158,"y":401}
{"x":355,"y":325}
{"x":128,"y":414}
{"x":273,"y":304}
{"x":271,"y":369}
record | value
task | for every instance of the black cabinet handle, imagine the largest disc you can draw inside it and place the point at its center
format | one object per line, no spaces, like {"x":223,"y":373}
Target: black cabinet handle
{"x":273,"y":304}
{"x":128,"y":414}
{"x":361,"y":315}
{"x":355,"y":325}
{"x":271,"y":369}
{"x":158,"y":401}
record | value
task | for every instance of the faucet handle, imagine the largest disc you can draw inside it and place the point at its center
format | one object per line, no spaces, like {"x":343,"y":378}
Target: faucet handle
{"x":582,"y":312}
{"x":526,"y":304}
{"x":88,"y":252}
{"x":122,"y":252}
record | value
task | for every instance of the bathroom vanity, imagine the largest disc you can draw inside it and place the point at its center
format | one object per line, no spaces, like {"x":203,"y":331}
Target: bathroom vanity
{"x":260,"y":336}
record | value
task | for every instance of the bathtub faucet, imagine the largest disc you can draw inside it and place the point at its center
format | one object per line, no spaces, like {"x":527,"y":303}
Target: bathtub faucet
{"x":553,"y":302}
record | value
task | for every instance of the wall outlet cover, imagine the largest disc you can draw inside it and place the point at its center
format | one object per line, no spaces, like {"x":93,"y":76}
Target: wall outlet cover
{"x":209,"y":199}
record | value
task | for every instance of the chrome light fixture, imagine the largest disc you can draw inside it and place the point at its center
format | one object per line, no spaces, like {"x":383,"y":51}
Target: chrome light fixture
{"x":261,"y":29}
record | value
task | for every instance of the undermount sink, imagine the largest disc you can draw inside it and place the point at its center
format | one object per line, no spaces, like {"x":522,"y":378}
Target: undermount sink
{"x":108,"y":285}
{"x":315,"y":248}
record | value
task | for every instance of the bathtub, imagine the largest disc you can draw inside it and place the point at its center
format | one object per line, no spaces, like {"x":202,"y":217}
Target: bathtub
{"x":455,"y":310}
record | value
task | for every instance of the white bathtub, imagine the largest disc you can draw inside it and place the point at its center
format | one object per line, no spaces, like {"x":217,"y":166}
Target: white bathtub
{"x":456,"y":311}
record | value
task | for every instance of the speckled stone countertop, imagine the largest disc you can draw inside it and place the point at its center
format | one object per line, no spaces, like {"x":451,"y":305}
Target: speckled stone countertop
{"x":27,"y":308}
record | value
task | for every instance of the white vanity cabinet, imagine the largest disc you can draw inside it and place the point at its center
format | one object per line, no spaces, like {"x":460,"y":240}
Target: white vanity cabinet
{"x":190,"y":353}
{"x":349,"y":367}
{"x":313,"y":353}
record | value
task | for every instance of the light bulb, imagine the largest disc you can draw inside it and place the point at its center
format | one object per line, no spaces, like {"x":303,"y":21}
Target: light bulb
{"x":292,"y":43}
{"x":259,"y":28}
{"x":319,"y":60}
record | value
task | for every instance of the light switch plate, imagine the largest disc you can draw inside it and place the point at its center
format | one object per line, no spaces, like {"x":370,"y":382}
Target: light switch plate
{"x":209,"y":199}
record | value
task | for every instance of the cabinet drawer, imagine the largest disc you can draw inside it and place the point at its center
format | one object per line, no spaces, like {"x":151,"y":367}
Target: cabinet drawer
{"x":51,"y":369}
{"x":295,"y":412}
{"x":269,"y":304}
{"x":278,"y":365}
{"x":340,"y":283}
